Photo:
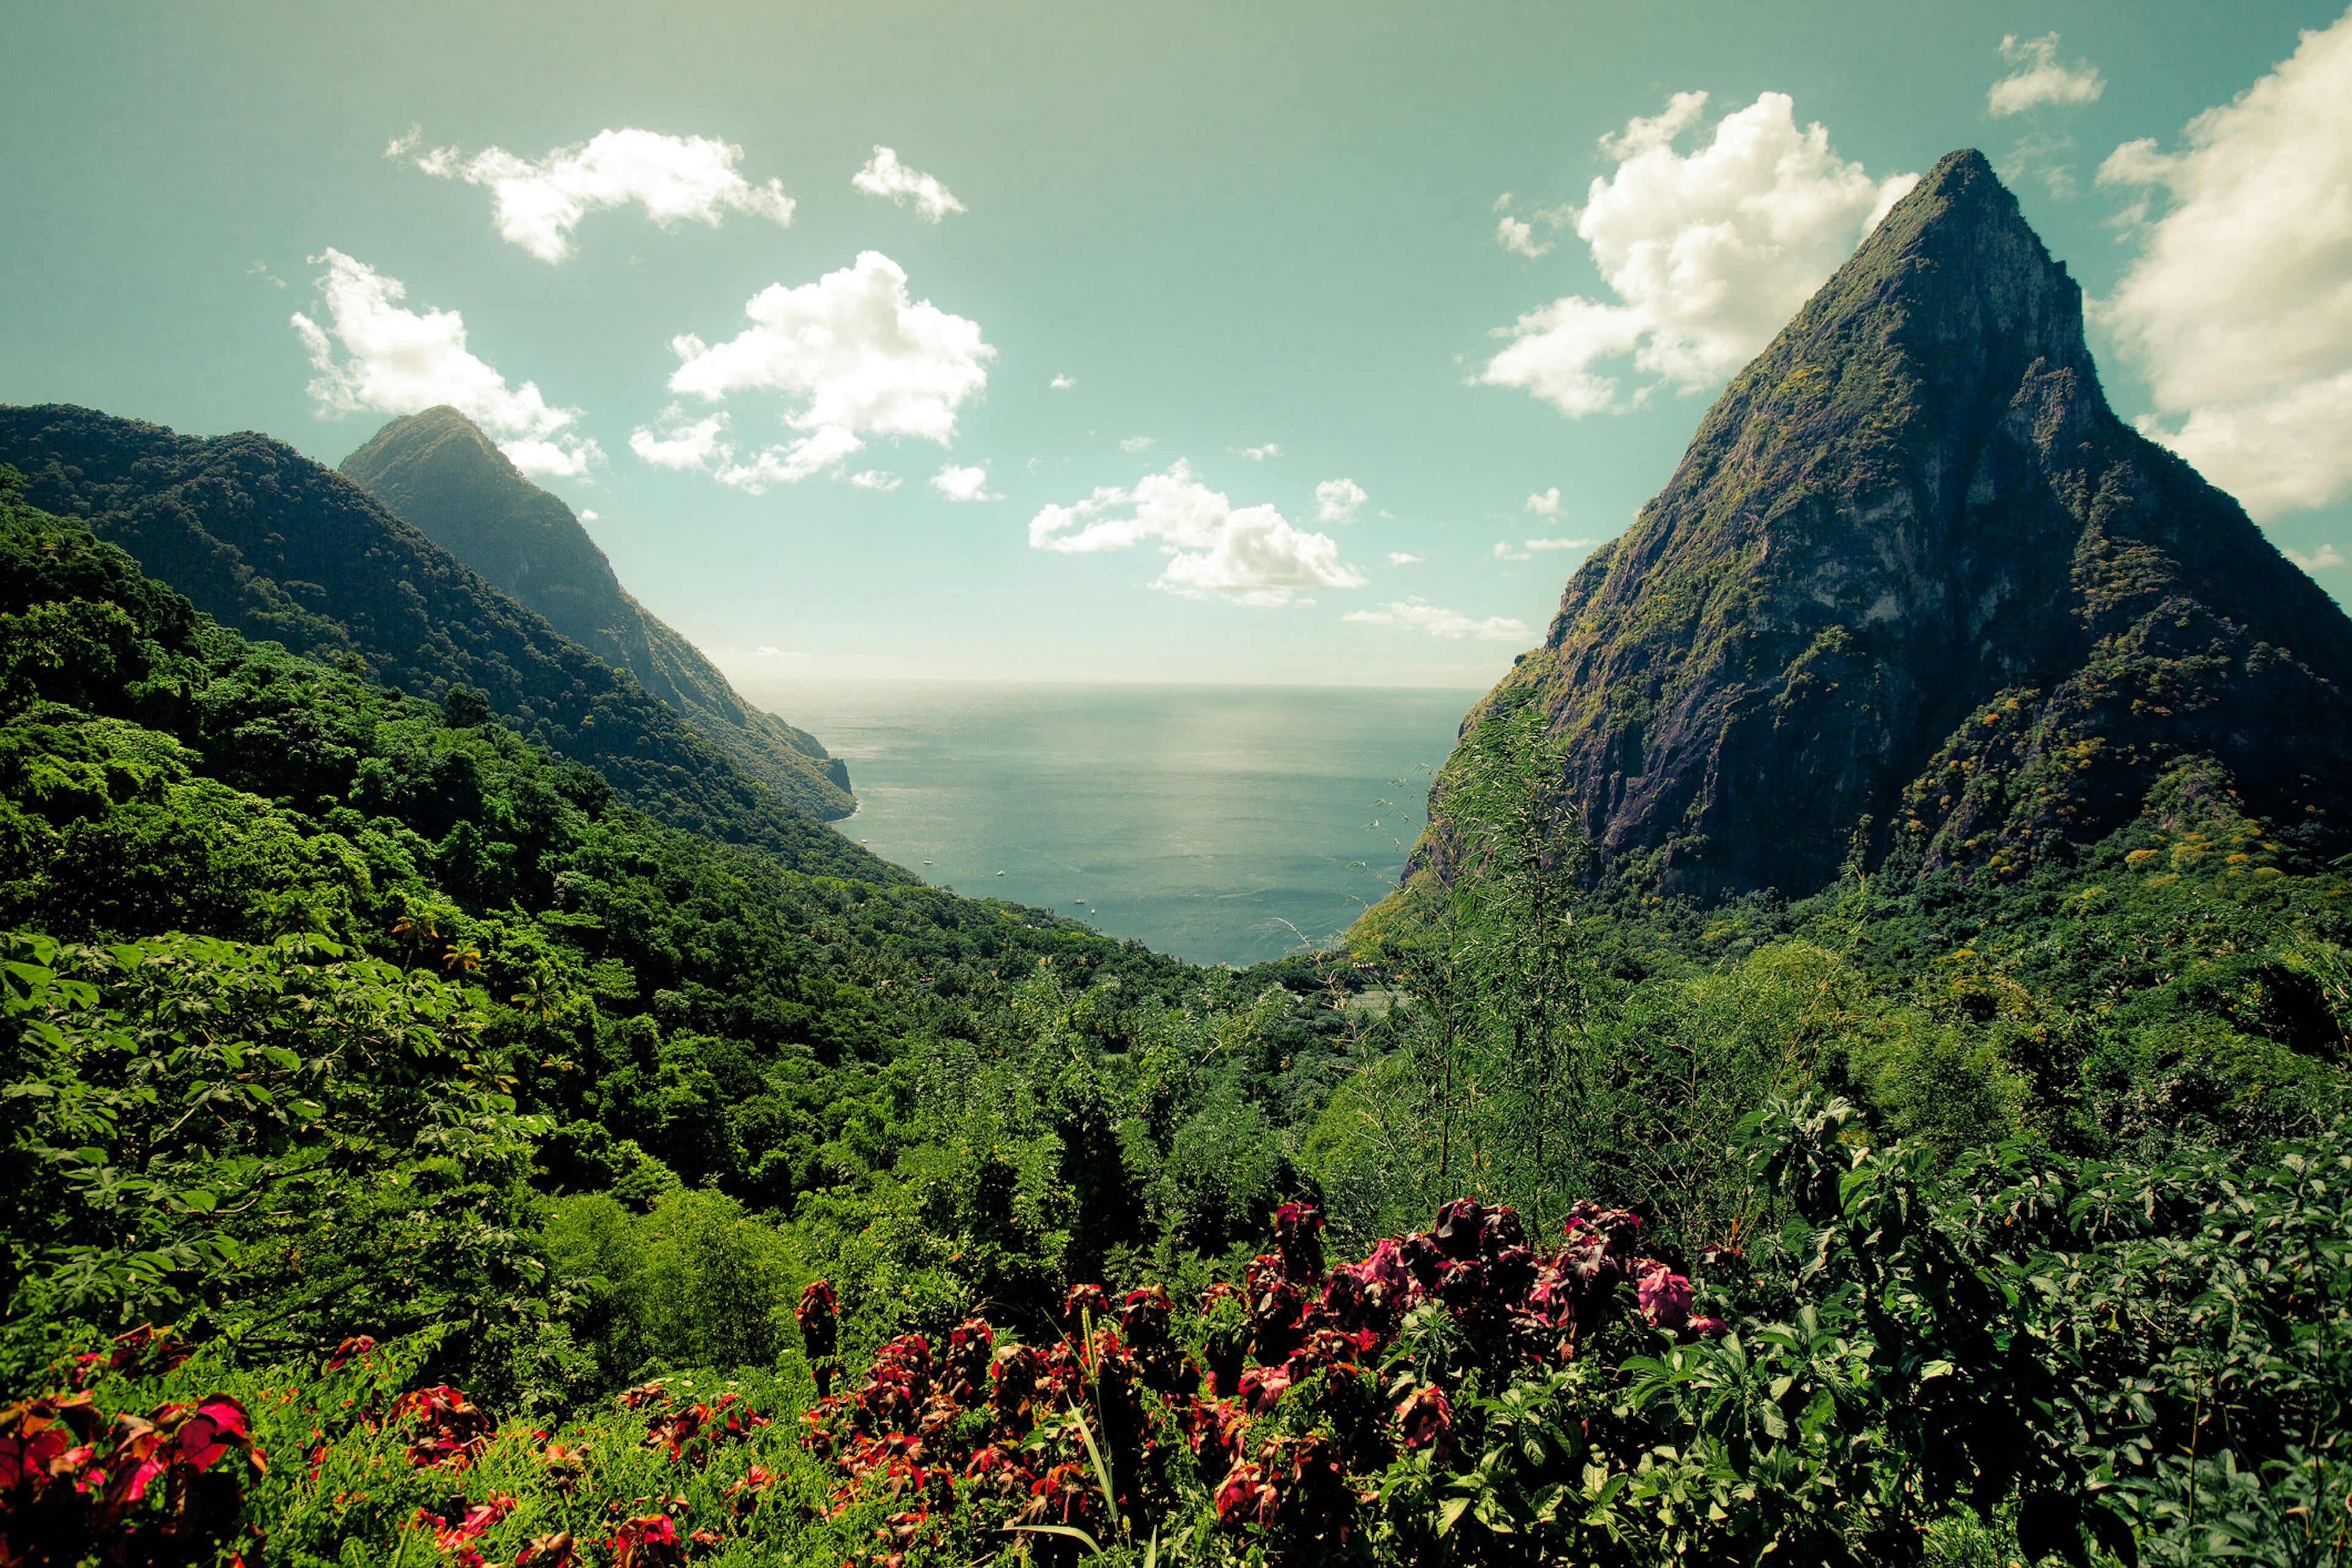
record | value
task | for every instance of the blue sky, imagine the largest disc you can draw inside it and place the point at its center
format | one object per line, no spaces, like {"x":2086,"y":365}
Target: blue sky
{"x":1192,"y":342}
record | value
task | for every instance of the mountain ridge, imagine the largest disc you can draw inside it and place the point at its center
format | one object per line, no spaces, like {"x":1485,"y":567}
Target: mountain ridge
{"x":437,"y":470}
{"x":1916,"y":590}
{"x":284,"y":548}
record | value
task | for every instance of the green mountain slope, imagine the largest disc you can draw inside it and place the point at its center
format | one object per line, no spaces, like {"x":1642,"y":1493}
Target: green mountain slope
{"x":1915,"y":589}
{"x":437,"y":470}
{"x":267,"y":540}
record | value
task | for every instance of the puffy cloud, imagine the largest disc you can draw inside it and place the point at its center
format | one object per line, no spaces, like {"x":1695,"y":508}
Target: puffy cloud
{"x":884,"y":176}
{"x":397,"y":360}
{"x":1253,"y":556}
{"x":1503,"y":552}
{"x":1400,"y":558}
{"x":586,"y":515}
{"x":1421,"y":615}
{"x":538,"y":203}
{"x":1519,"y":236}
{"x":1134,"y":445}
{"x":1260,"y":454}
{"x":1708,"y":254}
{"x":1546,"y":504}
{"x":875,"y":479}
{"x":865,"y":359}
{"x":1339,"y":500}
{"x":2040,"y":79}
{"x":819,"y":450}
{"x":2326,"y":558}
{"x":2237,"y":308}
{"x":683,"y":444}
{"x":963,"y":484}
{"x":1063,"y":383}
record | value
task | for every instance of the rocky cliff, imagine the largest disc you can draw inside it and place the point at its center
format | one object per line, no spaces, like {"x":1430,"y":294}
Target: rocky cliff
{"x":1915,"y":590}
{"x":437,"y":470}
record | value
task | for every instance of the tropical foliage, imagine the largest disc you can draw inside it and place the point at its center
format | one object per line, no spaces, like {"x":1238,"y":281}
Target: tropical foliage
{"x":421,"y":1155}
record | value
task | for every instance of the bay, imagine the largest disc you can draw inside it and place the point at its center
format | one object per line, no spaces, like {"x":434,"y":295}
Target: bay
{"x":1220,"y":823}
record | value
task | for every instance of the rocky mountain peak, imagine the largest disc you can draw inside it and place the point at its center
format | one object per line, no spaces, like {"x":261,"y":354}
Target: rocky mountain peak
{"x":1915,"y":507}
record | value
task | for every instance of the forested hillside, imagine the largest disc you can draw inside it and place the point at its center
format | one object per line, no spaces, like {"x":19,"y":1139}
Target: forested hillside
{"x":511,"y":1175}
{"x":264,"y":539}
{"x":436,"y":471}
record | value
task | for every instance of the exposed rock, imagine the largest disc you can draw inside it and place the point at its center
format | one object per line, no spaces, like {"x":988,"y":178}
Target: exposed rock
{"x":1915,"y":589}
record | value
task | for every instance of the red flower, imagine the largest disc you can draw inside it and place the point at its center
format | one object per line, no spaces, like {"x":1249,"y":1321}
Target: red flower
{"x":547,"y":1552}
{"x":359,"y":1347}
{"x":647,"y":1541}
{"x":819,"y":1317}
{"x":1262,"y":1386}
{"x":1425,"y":1420}
{"x":1297,"y":1235}
{"x":1664,"y":1295}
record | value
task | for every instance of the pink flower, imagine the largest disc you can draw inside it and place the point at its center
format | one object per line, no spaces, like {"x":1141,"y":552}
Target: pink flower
{"x":1666,"y":1297}
{"x":1262,"y":1386}
{"x":1427,"y":1418}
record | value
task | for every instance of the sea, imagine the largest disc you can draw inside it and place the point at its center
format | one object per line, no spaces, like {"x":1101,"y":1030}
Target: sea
{"x":1219,"y":824}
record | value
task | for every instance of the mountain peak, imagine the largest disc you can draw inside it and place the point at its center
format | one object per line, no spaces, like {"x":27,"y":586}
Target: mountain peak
{"x":1911,"y":511}
{"x":438,"y":471}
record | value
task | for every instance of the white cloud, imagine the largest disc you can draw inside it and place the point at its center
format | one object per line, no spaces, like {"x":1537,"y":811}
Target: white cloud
{"x":1260,"y":454}
{"x":396,"y":361}
{"x":1546,"y":504}
{"x":1421,"y":615}
{"x":884,"y":176}
{"x":1519,"y":236}
{"x":1136,"y":444}
{"x":566,"y":458}
{"x":875,"y":479}
{"x":864,"y":358}
{"x":2041,"y":81}
{"x":819,"y":450}
{"x":1339,"y":500}
{"x":586,"y":516}
{"x":2326,"y":558}
{"x":1503,"y":552}
{"x":1561,"y":543}
{"x":1708,"y":254}
{"x":2238,"y":308}
{"x":683,"y":444}
{"x":261,"y":270}
{"x":538,"y":203}
{"x":1399,"y":558}
{"x":1253,"y":556}
{"x":1063,"y":383}
{"x":963,"y":484}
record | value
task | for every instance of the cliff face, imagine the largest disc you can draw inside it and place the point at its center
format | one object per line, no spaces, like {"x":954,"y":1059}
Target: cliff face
{"x":437,"y":470}
{"x":1914,"y":581}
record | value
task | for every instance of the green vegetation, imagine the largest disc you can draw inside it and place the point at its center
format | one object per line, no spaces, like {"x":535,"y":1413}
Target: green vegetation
{"x":436,"y":471}
{"x":267,"y":541}
{"x":389,"y":1094}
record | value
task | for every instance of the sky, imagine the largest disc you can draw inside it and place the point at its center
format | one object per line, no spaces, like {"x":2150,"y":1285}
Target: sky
{"x":1298,"y":343}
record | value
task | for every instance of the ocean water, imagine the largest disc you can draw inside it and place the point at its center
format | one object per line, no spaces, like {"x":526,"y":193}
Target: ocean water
{"x":1224,"y":824}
